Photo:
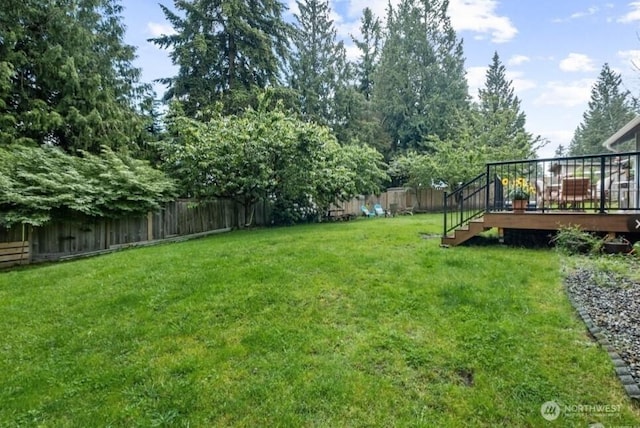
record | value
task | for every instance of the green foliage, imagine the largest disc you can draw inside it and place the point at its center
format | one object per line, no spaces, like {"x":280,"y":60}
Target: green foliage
{"x":66,"y":76}
{"x":610,"y":108}
{"x":369,"y":48}
{"x":448,"y":161}
{"x":267,"y":153}
{"x":319,"y":69}
{"x":573,"y":240}
{"x":499,"y":122}
{"x":226,"y":51}
{"x":39,"y":184}
{"x":420,"y":86}
{"x":358,"y":118}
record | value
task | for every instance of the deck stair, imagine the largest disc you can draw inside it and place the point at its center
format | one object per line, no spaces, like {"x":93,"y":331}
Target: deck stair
{"x":464,"y":233}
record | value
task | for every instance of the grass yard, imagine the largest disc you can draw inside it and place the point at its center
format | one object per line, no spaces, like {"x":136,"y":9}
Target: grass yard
{"x":364,"y":323}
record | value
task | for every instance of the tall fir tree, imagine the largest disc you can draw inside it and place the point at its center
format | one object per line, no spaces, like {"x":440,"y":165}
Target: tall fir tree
{"x":364,"y":121}
{"x":421,"y":88}
{"x":226,"y":51}
{"x":369,"y":48}
{"x":66,"y":76}
{"x":560,"y":152}
{"x":500,"y":121}
{"x":610,"y":108}
{"x":319,"y":69}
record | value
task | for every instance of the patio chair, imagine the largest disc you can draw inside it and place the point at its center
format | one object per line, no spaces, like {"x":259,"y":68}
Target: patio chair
{"x":575,"y":192}
{"x":379,"y":210}
{"x":406,"y":210}
{"x":366,"y":212}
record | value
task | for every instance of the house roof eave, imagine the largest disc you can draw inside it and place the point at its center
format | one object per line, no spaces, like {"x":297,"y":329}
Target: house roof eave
{"x":625,"y":133}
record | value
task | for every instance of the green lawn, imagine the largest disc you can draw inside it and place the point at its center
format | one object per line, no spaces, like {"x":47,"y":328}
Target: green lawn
{"x":364,"y":323}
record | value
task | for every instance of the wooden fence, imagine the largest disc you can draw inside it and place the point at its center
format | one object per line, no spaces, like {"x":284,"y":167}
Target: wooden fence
{"x":90,"y":235}
{"x":14,"y":253}
{"x":422,"y":200}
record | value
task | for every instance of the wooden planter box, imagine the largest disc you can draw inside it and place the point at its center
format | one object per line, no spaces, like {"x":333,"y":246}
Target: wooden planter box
{"x":616,"y":247}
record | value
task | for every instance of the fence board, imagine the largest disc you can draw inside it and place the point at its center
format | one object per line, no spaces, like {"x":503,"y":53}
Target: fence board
{"x":14,"y":234}
{"x":14,"y":253}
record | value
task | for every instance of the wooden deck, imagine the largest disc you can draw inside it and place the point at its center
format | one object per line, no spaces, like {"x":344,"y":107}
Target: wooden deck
{"x":598,"y":193}
{"x":608,"y":223}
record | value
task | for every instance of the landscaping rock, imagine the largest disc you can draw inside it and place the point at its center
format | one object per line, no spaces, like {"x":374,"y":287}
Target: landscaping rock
{"x":610,"y":306}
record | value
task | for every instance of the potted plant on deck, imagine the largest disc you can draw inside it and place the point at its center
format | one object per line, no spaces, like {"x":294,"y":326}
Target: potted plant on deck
{"x":519,"y":194}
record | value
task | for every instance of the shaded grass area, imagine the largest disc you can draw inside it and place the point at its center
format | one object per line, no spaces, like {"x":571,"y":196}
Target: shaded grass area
{"x":363,"y":323}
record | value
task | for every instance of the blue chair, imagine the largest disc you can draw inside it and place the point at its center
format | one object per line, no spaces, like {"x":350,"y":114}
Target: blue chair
{"x":366,"y":212}
{"x":379,"y":210}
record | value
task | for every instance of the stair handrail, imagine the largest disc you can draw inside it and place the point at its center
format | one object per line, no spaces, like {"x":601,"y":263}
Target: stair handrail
{"x":466,"y":202}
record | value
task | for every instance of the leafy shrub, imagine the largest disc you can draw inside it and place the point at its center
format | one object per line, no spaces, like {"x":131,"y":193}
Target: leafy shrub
{"x":573,"y":240}
{"x":38,"y":184}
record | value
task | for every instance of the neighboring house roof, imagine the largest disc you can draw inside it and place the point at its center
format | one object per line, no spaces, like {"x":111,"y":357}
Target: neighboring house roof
{"x":626,"y":133}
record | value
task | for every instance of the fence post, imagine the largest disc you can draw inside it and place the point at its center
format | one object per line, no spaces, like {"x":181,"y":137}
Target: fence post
{"x":444,"y":234}
{"x":487,"y":199}
{"x":602,"y":187}
{"x":149,"y":226}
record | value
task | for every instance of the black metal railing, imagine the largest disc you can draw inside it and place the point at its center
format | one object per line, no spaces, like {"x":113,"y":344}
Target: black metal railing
{"x":605,"y":183}
{"x":466,"y":202}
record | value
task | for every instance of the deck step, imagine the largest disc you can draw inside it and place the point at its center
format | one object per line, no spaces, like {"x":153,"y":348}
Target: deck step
{"x":464,"y":233}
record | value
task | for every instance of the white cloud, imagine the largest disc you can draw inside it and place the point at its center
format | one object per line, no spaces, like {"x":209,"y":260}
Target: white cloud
{"x":480,"y":16}
{"x":379,"y":8}
{"x":555,"y":137}
{"x":633,"y":14}
{"x":519,"y":83}
{"x":352,"y":52}
{"x":344,"y":30}
{"x":518,"y":60}
{"x":559,"y":136}
{"x":632,"y":57}
{"x":476,"y":77}
{"x":591,"y":11}
{"x":577,"y":62}
{"x":292,"y":7}
{"x":156,"y":29}
{"x":565,"y":94}
{"x":581,"y":14}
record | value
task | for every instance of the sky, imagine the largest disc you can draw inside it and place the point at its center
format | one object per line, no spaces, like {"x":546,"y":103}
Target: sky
{"x":553,"y":50}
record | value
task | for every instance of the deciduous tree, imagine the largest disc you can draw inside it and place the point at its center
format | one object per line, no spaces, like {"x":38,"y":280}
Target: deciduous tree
{"x":268,"y":154}
{"x":38,"y":184}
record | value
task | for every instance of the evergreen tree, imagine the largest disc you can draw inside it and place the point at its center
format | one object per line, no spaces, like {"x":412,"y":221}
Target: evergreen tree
{"x":561,"y":151}
{"x":320,"y":72}
{"x":363,"y":121}
{"x":500,"y":122}
{"x":369,"y":48}
{"x":609,"y":109}
{"x":420,"y":86}
{"x":225,"y":50}
{"x":66,"y":76}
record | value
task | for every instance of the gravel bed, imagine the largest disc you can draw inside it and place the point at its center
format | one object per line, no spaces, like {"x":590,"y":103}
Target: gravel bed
{"x":613,"y":304}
